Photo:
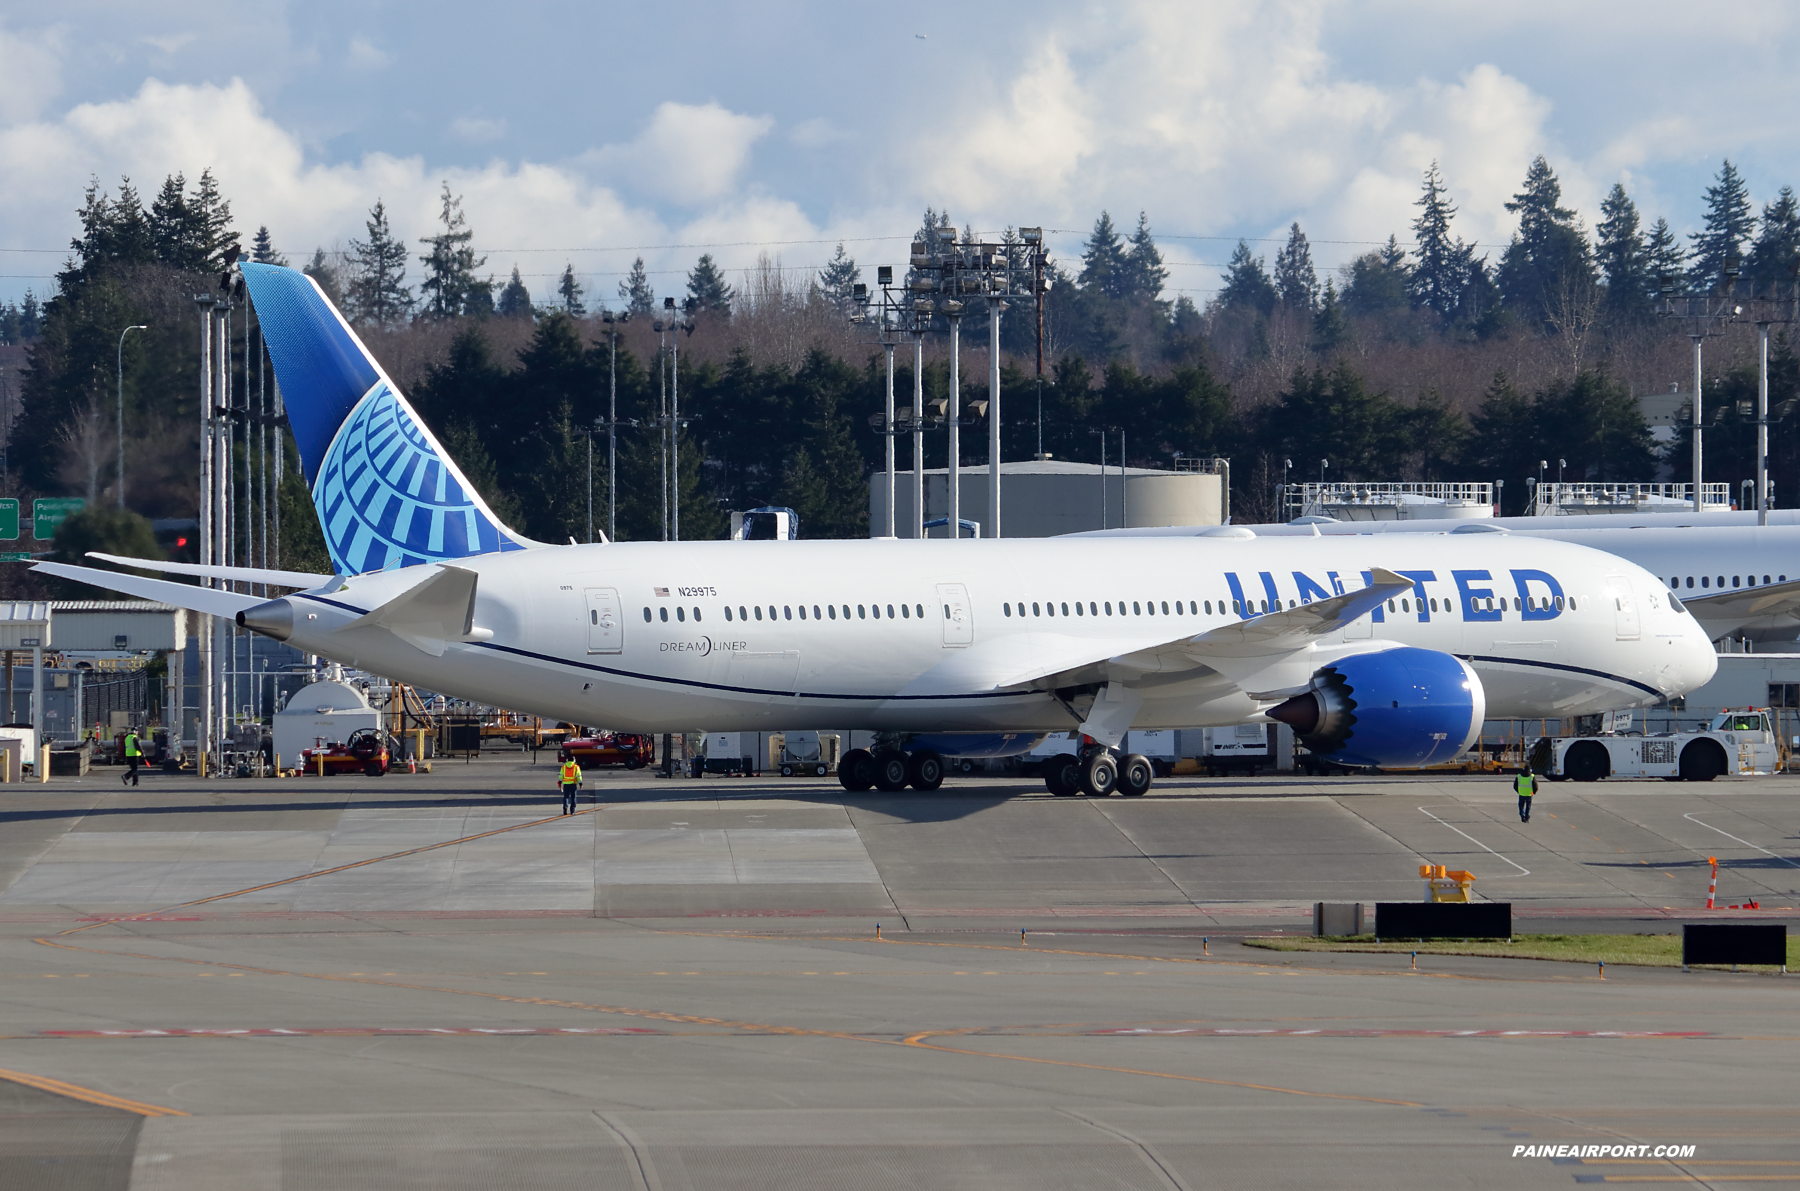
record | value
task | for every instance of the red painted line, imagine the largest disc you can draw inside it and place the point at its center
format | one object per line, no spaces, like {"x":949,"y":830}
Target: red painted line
{"x":345,"y":1031}
{"x":1252,"y":1033}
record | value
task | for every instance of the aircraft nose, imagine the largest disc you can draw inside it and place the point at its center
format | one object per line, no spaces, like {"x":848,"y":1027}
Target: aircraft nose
{"x":1697,"y":664}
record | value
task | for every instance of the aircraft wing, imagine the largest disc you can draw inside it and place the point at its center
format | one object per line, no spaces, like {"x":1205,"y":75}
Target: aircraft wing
{"x":1727,"y":613}
{"x":1250,"y":652}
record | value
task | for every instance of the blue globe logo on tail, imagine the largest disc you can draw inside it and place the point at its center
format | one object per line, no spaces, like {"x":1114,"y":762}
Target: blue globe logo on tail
{"x":387,"y":495}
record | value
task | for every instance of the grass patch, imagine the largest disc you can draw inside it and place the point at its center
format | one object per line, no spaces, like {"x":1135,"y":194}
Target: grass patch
{"x":1657,"y":951}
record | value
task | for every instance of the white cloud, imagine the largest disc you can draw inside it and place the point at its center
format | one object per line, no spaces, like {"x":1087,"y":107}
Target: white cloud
{"x":472,"y":129}
{"x":363,"y":54}
{"x":817,"y":133}
{"x":687,"y":154}
{"x":168,"y":43}
{"x":30,"y":73}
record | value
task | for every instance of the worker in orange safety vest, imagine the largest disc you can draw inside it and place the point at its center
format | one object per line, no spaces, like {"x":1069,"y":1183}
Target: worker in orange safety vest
{"x":571,"y":783}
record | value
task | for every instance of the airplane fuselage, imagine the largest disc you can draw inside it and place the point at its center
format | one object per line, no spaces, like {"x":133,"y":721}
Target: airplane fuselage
{"x":924,"y":635}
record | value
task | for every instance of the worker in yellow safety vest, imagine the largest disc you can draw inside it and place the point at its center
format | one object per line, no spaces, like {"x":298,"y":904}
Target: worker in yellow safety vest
{"x":571,"y":782}
{"x":1526,"y":786}
{"x":133,"y":755}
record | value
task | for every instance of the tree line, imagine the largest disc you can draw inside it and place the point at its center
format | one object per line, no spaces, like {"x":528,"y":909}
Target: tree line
{"x":1441,"y":360}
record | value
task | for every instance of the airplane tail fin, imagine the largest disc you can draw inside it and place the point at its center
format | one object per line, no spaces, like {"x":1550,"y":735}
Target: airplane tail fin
{"x":387,"y":493}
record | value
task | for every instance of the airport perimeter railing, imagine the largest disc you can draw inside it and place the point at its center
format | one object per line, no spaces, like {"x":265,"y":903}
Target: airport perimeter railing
{"x":1562,"y":500}
{"x":1381,"y":500}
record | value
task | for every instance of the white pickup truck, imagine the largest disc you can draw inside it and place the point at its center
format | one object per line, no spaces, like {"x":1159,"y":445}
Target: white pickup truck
{"x":1737,"y":743}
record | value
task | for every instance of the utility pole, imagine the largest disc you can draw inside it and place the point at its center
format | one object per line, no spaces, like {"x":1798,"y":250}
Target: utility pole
{"x":995,"y":307}
{"x":662,"y":376}
{"x":121,"y":356}
{"x":888,"y":345}
{"x":612,"y":322}
{"x":1762,"y":423}
{"x":203,"y":736}
{"x":953,"y":311}
{"x":918,"y":422}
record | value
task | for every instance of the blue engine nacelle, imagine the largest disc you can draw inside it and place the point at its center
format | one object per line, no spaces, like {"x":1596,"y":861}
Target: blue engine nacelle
{"x":1398,"y":708}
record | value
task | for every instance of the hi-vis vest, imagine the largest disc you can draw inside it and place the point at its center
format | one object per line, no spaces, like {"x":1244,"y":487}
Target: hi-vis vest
{"x":1525,"y":784}
{"x":571,"y":773}
{"x":131,"y":745}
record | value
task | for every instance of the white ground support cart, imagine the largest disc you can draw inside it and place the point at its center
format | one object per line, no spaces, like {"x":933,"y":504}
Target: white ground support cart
{"x":1740,"y":743}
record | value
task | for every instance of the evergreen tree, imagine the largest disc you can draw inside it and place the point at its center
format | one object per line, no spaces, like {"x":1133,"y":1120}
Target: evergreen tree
{"x":210,"y":219}
{"x":635,"y":290}
{"x":1547,"y":271}
{"x":377,"y":292}
{"x":1329,"y":329}
{"x":173,"y":229}
{"x":1144,"y":274}
{"x":1379,"y":282}
{"x":114,"y":233}
{"x":707,"y":289}
{"x":1623,"y":261}
{"x":1730,"y":221}
{"x":1104,"y":267}
{"x":1437,"y":279}
{"x":325,"y":273}
{"x":262,"y":248}
{"x":839,"y":277}
{"x":1504,"y":444}
{"x":1247,"y":285}
{"x":450,"y":265}
{"x":1776,"y":253}
{"x":1538,"y":207}
{"x":1664,"y":256}
{"x":570,"y":291}
{"x":1296,"y":283}
{"x":515,"y":299}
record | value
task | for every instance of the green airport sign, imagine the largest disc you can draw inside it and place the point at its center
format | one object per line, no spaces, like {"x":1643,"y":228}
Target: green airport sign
{"x":9,"y":520}
{"x":15,"y":556}
{"x":49,"y":512}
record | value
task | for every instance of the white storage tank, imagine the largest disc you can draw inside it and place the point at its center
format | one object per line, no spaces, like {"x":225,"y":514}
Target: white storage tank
{"x":326,"y":710}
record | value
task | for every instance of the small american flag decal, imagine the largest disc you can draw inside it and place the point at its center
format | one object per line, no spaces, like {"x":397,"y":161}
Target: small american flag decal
{"x":662,"y":591}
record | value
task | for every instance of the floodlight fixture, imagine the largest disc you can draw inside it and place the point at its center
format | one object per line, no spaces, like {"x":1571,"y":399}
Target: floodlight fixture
{"x":884,"y":275}
{"x":1032,"y":235}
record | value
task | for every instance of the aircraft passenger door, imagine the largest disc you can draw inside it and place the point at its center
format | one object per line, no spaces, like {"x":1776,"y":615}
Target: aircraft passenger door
{"x":606,"y":628}
{"x":959,"y":617}
{"x":1625,"y":612}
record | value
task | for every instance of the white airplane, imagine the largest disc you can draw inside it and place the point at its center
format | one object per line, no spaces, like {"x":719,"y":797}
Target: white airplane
{"x":1386,"y":652}
{"x":1739,"y":579}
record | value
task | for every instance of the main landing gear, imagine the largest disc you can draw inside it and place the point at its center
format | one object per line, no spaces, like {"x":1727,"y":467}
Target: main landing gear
{"x":890,"y":770}
{"x":1098,"y":772}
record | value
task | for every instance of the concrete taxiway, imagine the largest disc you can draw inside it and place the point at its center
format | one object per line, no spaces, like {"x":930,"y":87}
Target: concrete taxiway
{"x":438,"y":981}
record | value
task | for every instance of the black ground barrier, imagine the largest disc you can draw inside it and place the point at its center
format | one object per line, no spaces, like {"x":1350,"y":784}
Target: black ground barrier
{"x":1443,"y":920}
{"x":1734,"y":943}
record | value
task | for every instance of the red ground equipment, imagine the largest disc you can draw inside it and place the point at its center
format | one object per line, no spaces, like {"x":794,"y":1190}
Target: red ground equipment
{"x":631,"y":749}
{"x":365,"y":752}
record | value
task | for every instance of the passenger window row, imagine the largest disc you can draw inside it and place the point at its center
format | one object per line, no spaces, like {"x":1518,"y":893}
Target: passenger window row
{"x":787,"y":611}
{"x":1719,"y":580}
{"x":1105,"y":608}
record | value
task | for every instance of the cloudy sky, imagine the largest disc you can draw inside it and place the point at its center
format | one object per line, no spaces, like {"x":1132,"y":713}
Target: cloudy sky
{"x":593,"y":133}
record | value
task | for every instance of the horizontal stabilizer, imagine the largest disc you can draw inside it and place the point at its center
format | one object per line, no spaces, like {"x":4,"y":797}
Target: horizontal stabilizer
{"x":182,"y":595}
{"x":300,"y":579}
{"x":431,"y":615}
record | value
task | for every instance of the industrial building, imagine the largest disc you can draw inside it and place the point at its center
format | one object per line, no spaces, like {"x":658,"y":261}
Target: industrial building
{"x":1042,"y":498}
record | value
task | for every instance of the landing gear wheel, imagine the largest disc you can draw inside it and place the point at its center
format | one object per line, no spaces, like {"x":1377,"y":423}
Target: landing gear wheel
{"x":1135,"y":775}
{"x":1100,"y":775}
{"x":890,"y":771}
{"x":856,"y":771}
{"x":925,"y":770}
{"x":818,"y":771}
{"x":1062,"y":776}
